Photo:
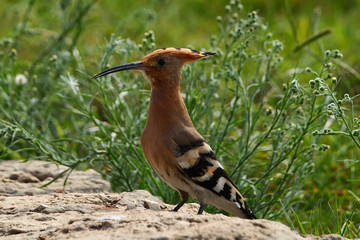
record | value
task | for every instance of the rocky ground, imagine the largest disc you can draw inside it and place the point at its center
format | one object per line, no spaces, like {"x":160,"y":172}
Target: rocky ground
{"x":87,"y":210}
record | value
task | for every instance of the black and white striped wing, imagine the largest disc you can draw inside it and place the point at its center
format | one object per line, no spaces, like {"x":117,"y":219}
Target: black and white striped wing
{"x":198,"y":161}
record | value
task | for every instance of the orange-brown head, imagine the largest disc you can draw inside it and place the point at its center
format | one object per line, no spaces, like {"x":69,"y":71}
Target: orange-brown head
{"x":163,"y":66}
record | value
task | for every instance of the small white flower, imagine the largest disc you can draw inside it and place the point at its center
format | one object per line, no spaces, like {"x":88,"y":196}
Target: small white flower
{"x":216,"y":114}
{"x":21,"y":79}
{"x":71,"y":82}
{"x":94,"y":129}
{"x":123,"y":94}
{"x":113,"y":136}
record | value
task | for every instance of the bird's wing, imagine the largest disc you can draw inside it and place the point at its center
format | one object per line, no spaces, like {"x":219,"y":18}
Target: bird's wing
{"x":197,"y":160}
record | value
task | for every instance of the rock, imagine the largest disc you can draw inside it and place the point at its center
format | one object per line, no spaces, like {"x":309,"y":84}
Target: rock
{"x":41,"y":208}
{"x":23,"y":177}
{"x":87,"y":216}
{"x":148,"y":204}
{"x":128,"y":215}
{"x":13,"y":231}
{"x":26,"y":178}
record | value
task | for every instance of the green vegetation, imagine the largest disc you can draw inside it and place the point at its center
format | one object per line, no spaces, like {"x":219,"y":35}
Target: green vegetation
{"x":279,"y":109}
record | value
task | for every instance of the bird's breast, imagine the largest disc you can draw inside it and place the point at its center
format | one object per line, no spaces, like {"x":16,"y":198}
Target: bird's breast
{"x":156,"y":153}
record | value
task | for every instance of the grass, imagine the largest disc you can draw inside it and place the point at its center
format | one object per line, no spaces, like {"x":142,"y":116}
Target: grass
{"x":282,"y":118}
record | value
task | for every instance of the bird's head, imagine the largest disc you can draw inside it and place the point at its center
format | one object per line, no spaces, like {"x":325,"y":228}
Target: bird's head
{"x":163,"y":66}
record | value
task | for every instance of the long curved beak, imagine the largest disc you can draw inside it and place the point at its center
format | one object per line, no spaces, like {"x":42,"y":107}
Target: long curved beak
{"x":129,"y":66}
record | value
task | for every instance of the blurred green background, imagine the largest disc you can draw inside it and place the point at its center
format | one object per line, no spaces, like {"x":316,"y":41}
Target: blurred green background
{"x":190,"y":23}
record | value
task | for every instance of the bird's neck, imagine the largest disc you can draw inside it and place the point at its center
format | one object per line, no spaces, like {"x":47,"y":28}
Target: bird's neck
{"x":167,"y":110}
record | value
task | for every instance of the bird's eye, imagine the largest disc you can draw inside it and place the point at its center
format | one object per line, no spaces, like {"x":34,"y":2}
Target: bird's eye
{"x":161,"y":62}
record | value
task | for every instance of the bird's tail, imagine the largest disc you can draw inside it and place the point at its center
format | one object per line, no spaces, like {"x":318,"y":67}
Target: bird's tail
{"x":248,"y":213}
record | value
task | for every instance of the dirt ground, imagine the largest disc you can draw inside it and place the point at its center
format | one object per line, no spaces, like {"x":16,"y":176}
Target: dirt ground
{"x":87,"y":210}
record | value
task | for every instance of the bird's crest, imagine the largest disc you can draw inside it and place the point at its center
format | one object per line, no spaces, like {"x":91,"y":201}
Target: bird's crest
{"x":185,"y":51}
{"x":180,"y":52}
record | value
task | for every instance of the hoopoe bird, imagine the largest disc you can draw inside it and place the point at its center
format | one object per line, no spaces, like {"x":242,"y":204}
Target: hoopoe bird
{"x":170,"y":142}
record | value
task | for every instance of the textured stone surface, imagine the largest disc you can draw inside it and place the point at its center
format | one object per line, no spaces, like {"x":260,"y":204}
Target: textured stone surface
{"x":83,"y":213}
{"x":18,"y":179}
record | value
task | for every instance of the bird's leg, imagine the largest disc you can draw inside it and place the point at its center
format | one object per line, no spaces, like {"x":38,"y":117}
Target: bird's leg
{"x":201,"y":209}
{"x":179,"y":206}
{"x":201,"y":197}
{"x":184,"y":197}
